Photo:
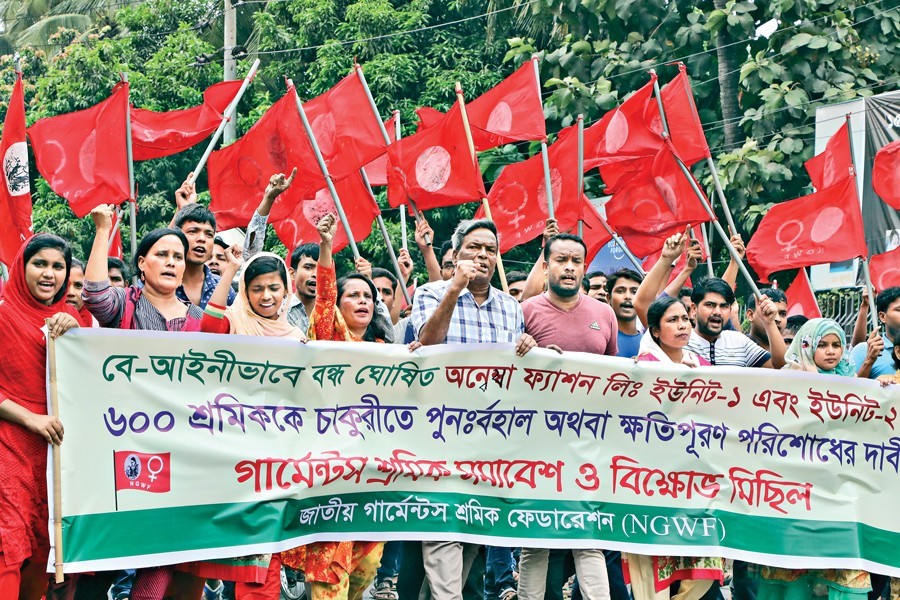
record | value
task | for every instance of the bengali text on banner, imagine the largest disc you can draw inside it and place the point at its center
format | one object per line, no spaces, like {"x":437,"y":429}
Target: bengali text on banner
{"x":182,"y":447}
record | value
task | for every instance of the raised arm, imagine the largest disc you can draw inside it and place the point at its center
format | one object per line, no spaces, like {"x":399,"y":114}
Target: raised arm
{"x":656,"y":278}
{"x":232,"y":265}
{"x":862,"y":318}
{"x":186,"y":194}
{"x":777,"y":347}
{"x":97,"y":269}
{"x":731,"y":272}
{"x":694,"y":256}
{"x":432,"y":266}
{"x":534,"y":285}
{"x":322,"y":319}
{"x":435,"y":329}
{"x":256,"y":230}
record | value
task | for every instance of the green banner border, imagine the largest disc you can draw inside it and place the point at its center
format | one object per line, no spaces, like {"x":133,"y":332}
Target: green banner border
{"x":189,"y":528}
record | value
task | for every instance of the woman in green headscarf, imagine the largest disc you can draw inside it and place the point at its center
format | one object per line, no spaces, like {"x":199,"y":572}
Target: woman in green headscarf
{"x":819,"y":347}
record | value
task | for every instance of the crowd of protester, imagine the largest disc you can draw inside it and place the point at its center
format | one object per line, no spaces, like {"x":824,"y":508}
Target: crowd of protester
{"x":185,"y":278}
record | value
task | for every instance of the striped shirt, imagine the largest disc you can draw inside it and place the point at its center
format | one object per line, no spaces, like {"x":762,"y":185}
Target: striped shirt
{"x":731,"y":349}
{"x":498,"y":320}
{"x":107,"y":304}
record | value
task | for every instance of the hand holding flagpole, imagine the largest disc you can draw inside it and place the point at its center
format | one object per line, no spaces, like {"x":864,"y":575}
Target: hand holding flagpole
{"x":226,"y":118}
{"x":484,"y":201}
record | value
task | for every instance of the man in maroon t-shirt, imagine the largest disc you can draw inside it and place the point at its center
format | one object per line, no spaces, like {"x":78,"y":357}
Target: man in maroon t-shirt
{"x":561,"y":316}
{"x":566,"y":320}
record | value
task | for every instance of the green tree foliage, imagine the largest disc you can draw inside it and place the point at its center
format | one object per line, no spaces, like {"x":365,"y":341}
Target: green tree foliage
{"x":594,"y":53}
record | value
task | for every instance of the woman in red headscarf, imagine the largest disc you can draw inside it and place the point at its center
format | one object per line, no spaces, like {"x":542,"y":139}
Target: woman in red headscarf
{"x":35,"y":292}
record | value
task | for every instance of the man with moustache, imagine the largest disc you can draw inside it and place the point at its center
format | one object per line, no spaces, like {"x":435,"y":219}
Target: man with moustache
{"x":597,"y":286}
{"x":465,"y":309}
{"x":564,"y":319}
{"x":758,"y":328}
{"x":714,"y":299}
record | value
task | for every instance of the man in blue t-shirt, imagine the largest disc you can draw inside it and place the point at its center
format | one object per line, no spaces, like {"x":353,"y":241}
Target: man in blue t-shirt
{"x":622,"y":287}
{"x":887,"y":303}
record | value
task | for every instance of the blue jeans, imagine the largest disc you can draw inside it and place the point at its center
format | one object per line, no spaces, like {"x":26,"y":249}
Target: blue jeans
{"x":390,"y":561}
{"x":121,"y":587}
{"x":498,"y":572}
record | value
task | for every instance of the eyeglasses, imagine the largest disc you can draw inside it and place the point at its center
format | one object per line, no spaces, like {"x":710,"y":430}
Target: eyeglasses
{"x":447,"y":265}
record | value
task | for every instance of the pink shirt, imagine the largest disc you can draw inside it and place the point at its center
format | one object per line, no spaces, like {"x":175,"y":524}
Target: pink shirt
{"x":588,"y":327}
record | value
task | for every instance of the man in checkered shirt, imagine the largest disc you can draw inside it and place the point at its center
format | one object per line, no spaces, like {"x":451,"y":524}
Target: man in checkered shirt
{"x":465,"y":310}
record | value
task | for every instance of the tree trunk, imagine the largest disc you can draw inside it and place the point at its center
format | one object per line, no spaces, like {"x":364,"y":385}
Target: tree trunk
{"x":728,"y":84}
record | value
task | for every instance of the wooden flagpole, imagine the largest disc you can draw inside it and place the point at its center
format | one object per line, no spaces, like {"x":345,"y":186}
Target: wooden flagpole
{"x":403,"y":232}
{"x":55,"y":458}
{"x":324,"y":168}
{"x":132,"y":200}
{"x":387,"y":241}
{"x":226,"y":118}
{"x":580,"y":170}
{"x":484,"y":201}
{"x":545,"y":158}
{"x":873,"y":315}
{"x":384,"y":133}
{"x":716,"y":225}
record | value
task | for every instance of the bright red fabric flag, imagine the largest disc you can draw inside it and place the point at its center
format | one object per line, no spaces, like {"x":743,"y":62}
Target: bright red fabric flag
{"x":518,"y":197}
{"x":143,"y":472}
{"x":594,"y":233}
{"x":653,"y":205}
{"x":345,"y":127}
{"x":434,"y":167}
{"x":83,"y":155}
{"x":886,"y":174}
{"x":834,"y":163}
{"x":800,"y":298}
{"x":15,"y":199}
{"x":885,"y":270}
{"x":511,"y":111}
{"x":685,"y":128}
{"x":158,"y":134}
{"x":239,"y":173}
{"x":376,"y":170}
{"x":296,"y":224}
{"x":622,"y":144}
{"x":818,"y":228}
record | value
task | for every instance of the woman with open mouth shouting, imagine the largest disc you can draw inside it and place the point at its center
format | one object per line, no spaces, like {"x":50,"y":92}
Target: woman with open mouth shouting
{"x":344,"y":312}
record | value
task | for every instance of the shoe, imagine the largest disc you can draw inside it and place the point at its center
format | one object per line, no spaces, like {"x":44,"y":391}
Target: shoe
{"x":384,"y":590}
{"x":509,"y":594}
{"x":213,"y":593}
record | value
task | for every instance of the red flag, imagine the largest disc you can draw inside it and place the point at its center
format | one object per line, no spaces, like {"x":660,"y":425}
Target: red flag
{"x":83,"y":155}
{"x":155,"y":134}
{"x":376,"y":170}
{"x":594,"y":233}
{"x":434,"y":167}
{"x":886,"y":174}
{"x":885,"y":270}
{"x":15,"y":199}
{"x":800,"y":298}
{"x":685,"y":128}
{"x":518,"y":197}
{"x":239,"y":173}
{"x":296,"y":224}
{"x":345,"y":127}
{"x":621,"y":144}
{"x":834,"y":163}
{"x":818,"y":228}
{"x":143,"y":471}
{"x":654,"y":204}
{"x":511,"y":111}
